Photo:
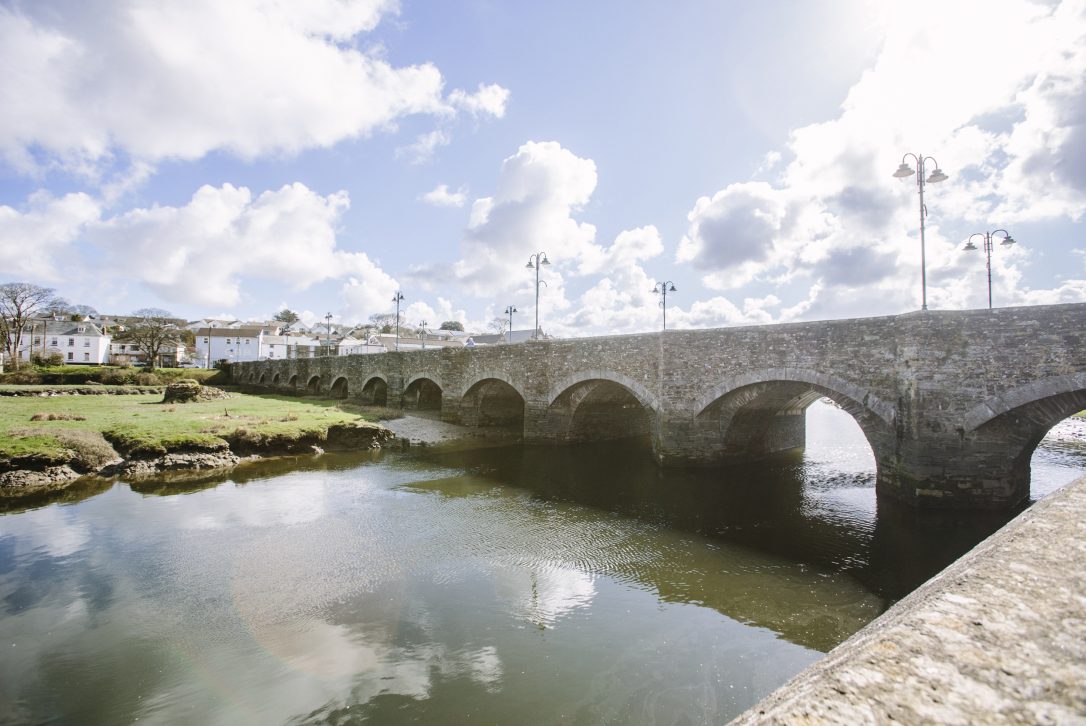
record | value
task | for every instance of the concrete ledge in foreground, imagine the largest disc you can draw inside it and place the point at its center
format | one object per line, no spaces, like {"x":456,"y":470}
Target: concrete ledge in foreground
{"x":997,"y":637}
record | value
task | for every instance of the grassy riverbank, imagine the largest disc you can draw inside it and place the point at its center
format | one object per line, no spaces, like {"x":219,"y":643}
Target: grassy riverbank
{"x":86,"y":432}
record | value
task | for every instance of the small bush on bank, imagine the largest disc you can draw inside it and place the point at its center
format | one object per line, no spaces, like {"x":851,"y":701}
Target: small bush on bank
{"x":57,"y":417}
{"x":54,"y":358}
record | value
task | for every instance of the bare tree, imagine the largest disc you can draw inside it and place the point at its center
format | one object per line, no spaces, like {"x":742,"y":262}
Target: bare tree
{"x":153,"y":330}
{"x":19,"y":302}
{"x":385,"y":322}
{"x":82,"y":312}
{"x":499,"y":326}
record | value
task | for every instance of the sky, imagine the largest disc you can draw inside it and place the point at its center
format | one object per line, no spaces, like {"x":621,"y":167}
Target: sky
{"x":233,"y":159}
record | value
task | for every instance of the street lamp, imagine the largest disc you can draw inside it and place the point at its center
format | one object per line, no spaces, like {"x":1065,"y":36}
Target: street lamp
{"x":328,"y":334}
{"x":536,"y":261}
{"x":396,"y":299}
{"x":663,"y":288}
{"x":422,"y":333}
{"x":509,"y":310}
{"x":904,"y":171}
{"x":988,"y":237}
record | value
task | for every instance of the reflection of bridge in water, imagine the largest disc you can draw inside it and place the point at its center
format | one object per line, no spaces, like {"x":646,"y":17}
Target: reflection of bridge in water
{"x":952,"y":403}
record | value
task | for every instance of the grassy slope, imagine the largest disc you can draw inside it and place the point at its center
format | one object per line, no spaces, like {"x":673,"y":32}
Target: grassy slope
{"x":141,"y":425}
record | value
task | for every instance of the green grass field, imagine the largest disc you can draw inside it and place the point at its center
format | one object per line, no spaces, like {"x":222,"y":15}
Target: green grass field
{"x":88,"y":428}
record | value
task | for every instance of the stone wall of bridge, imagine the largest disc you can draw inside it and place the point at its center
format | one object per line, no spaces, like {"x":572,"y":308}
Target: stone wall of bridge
{"x":952,"y":403}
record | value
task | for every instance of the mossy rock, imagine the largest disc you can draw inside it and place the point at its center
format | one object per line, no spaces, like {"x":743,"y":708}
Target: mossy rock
{"x":188,"y":390}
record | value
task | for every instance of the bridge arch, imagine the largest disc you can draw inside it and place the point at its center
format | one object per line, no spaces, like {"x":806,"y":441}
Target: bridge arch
{"x":339,"y":388}
{"x":642,"y":394}
{"x":293,"y":382}
{"x":1000,"y":435}
{"x":423,"y":392}
{"x":375,"y":390}
{"x":762,"y":412}
{"x":1057,"y":394}
{"x":275,"y":380}
{"x":600,"y":408}
{"x":263,"y":378}
{"x":492,"y":401}
{"x":313,"y":385}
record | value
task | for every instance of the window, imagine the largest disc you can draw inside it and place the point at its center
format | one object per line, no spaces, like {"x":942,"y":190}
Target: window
{"x":86,"y":342}
{"x":71,"y":342}
{"x":205,"y":340}
{"x":54,"y":343}
{"x":228,"y":341}
{"x":122,"y":347}
{"x":71,"y":356}
{"x":36,"y":340}
{"x":246,"y":341}
{"x":86,"y":356}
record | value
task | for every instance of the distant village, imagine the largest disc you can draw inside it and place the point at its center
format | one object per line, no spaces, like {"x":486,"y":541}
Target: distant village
{"x":100,"y":340}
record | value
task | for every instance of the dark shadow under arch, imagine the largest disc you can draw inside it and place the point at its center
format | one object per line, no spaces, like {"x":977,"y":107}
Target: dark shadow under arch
{"x":375,"y":392}
{"x":314,"y":385}
{"x":598,"y":410}
{"x":422,"y":394}
{"x":492,"y":402}
{"x":339,"y":388}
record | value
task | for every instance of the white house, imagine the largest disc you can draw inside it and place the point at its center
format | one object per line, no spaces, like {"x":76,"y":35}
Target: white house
{"x":77,"y":342}
{"x":235,"y":345}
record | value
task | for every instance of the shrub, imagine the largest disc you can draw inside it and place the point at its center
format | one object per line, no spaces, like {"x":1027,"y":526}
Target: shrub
{"x":52,"y":358}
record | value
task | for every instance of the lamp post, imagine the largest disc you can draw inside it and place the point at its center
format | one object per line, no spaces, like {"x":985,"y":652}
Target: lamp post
{"x":663,"y":288}
{"x":396,"y":299}
{"x":988,"y":237}
{"x":328,"y":334}
{"x":422,"y":333}
{"x":536,"y":261}
{"x":509,"y":310}
{"x":903,"y":171}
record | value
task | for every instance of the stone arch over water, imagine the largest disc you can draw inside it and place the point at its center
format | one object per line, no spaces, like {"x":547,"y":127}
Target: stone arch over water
{"x":293,"y":382}
{"x":761,"y":413}
{"x":492,"y":401}
{"x":1002,"y":433}
{"x":275,"y":380}
{"x":313,"y":385}
{"x":599,"y":409}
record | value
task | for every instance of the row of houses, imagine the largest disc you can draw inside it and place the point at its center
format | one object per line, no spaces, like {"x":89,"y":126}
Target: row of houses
{"x":87,"y":343}
{"x":250,"y":343}
{"x":93,"y":342}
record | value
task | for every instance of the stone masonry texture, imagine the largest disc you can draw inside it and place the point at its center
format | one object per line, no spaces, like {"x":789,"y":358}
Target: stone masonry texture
{"x":952,"y":402}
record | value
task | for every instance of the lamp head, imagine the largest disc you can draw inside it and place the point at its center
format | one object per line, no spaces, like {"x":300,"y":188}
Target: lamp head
{"x":969,"y":246}
{"x":1007,"y":241}
{"x":544,"y":261}
{"x":530,"y":266}
{"x":937,"y":176}
{"x":904,"y":170}
{"x":672,"y":288}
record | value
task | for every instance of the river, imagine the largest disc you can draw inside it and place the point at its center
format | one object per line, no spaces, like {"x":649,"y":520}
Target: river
{"x":498,"y":586}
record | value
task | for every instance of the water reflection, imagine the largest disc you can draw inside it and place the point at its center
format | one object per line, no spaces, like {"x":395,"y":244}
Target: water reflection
{"x":506,"y":586}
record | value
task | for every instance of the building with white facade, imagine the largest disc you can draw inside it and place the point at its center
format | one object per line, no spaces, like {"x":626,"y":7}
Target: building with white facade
{"x":79,"y":343}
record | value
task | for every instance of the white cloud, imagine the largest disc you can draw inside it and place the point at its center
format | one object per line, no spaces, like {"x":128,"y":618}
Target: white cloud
{"x":424,"y":147}
{"x":1008,"y":127}
{"x":31,"y":240}
{"x":440,"y":196}
{"x":538,"y":191}
{"x":89,"y":83}
{"x":489,"y":100}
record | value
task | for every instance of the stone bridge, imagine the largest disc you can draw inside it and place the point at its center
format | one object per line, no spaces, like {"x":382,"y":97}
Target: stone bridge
{"x":953,"y":403}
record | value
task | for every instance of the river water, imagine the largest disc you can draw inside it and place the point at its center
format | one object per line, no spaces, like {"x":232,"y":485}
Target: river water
{"x":501,"y":586}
